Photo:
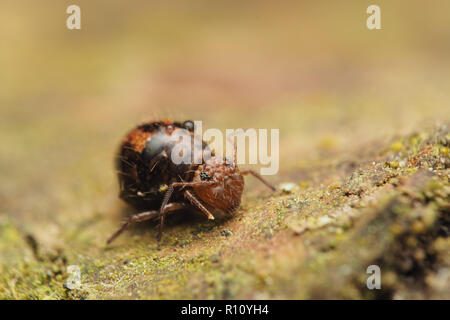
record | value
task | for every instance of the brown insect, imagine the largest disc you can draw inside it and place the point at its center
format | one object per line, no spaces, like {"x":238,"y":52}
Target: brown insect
{"x":150,"y":181}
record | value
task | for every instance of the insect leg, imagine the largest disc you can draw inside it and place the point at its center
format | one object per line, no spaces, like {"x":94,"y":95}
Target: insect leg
{"x":189,"y":195}
{"x":143,"y":216}
{"x":162,"y":212}
{"x":147,"y":215}
{"x":193,"y":184}
{"x":166,"y":199}
{"x":259,"y":177}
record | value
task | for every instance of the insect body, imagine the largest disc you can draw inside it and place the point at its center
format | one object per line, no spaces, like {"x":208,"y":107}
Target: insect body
{"x":152,"y":182}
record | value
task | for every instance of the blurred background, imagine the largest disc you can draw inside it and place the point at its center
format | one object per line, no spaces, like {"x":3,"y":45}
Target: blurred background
{"x":309,"y":68}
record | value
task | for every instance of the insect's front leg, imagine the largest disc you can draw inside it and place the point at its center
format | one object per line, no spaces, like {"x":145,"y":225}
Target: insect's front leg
{"x":144,"y":216}
{"x":193,"y":199}
{"x":166,"y":199}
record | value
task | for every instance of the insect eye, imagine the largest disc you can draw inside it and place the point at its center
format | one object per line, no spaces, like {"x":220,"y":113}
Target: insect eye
{"x":188,"y":125}
{"x":205,"y":176}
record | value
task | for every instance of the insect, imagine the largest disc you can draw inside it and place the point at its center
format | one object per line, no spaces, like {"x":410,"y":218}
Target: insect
{"x":152,"y":182}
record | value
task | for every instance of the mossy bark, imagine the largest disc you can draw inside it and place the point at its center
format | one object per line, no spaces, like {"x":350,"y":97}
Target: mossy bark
{"x":313,"y":239}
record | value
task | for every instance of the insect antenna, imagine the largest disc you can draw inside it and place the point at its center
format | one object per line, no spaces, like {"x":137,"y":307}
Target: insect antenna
{"x":230,"y":138}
